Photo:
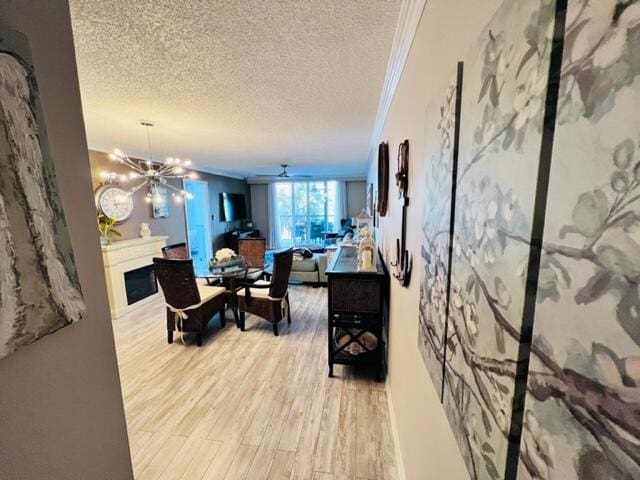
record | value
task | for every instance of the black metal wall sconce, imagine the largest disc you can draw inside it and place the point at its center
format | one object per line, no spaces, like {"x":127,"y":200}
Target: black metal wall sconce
{"x":403,"y":263}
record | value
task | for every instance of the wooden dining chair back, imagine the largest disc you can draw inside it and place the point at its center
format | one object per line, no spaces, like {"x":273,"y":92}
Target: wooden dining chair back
{"x":282,"y":262}
{"x":252,"y":250}
{"x":177,"y":251}
{"x":182,"y":293}
{"x":269,"y":300}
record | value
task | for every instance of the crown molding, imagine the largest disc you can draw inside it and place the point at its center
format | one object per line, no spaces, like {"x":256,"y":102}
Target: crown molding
{"x":344,"y":178}
{"x":220,"y":173}
{"x":408,"y":20}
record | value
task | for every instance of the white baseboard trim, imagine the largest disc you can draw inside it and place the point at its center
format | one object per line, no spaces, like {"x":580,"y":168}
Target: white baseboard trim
{"x":394,"y":431}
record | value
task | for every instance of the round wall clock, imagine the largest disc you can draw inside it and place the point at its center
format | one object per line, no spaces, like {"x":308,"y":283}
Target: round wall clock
{"x":114,"y":202}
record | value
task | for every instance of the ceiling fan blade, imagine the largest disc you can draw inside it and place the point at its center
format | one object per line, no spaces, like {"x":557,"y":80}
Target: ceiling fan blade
{"x":283,"y":174}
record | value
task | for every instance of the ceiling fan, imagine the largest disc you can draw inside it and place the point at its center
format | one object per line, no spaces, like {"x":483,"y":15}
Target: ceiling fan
{"x":284,"y":173}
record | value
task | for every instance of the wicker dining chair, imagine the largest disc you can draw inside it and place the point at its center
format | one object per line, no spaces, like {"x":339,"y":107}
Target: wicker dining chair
{"x":181,"y":292}
{"x":252,"y":250}
{"x":269,"y":300}
{"x":177,"y":251}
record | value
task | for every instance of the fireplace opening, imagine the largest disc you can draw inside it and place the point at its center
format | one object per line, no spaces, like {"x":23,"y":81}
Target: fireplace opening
{"x":140,"y":284}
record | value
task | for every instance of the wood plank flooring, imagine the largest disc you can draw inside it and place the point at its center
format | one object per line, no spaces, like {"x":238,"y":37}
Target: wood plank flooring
{"x":248,"y":405}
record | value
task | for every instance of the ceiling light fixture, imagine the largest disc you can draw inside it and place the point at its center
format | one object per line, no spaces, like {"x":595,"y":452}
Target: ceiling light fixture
{"x":151,"y":174}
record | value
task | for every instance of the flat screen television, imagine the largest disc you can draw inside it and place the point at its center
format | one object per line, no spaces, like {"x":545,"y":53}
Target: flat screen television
{"x":233,"y":207}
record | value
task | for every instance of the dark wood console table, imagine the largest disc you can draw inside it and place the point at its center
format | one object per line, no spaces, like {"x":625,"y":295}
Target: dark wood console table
{"x":358,"y":307}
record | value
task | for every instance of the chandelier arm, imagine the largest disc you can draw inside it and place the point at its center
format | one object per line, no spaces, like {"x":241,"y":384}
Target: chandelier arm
{"x":164,"y":171}
{"x":167,"y":166}
{"x":173,"y":188}
{"x":162,"y":167}
{"x":181,"y":192}
{"x":171,"y":169}
{"x":137,"y":169}
{"x":137,"y":187}
{"x":131,"y":164}
{"x":137,"y":166}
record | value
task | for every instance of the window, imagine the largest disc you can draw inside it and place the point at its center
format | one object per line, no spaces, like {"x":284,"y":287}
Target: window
{"x":305,"y":210}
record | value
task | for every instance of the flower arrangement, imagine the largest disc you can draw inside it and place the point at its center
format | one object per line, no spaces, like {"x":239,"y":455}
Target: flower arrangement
{"x":224,"y":254}
{"x":225,"y":257}
{"x":106,"y":228}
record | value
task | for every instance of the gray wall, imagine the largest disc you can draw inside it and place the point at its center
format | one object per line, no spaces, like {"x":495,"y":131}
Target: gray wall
{"x":217,"y":185}
{"x":427,"y":444}
{"x":259,"y":208}
{"x":356,"y":197}
{"x":61,"y":414}
{"x":174,"y":226}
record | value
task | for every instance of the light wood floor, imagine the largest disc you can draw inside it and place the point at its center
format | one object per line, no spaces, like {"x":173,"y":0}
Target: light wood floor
{"x":250,"y":405}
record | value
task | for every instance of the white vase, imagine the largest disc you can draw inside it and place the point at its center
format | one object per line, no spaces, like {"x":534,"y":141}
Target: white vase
{"x":145,"y":231}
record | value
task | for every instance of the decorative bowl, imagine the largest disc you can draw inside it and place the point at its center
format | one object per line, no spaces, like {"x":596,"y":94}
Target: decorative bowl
{"x":235,"y":261}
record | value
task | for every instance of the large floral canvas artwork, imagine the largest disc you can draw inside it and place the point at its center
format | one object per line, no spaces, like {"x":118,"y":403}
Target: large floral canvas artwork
{"x":39,"y":287}
{"x":502,"y":115}
{"x":582,"y":410}
{"x":441,"y":167}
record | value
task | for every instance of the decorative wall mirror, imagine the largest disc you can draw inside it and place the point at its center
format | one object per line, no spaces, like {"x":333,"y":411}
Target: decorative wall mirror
{"x":383,"y":178}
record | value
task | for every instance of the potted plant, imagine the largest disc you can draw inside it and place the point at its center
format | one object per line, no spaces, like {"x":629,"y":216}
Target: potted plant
{"x":106,"y":229}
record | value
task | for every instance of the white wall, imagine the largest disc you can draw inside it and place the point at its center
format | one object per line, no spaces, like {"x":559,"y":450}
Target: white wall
{"x":446,"y":31}
{"x":61,"y":414}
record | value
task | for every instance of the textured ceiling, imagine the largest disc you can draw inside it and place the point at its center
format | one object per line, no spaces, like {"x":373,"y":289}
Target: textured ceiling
{"x":237,"y":86}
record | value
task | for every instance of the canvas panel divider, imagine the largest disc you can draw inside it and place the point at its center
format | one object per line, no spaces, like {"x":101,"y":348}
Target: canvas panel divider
{"x":441,"y":152}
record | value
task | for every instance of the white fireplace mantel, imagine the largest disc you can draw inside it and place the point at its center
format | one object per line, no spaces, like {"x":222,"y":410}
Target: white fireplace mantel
{"x":124,"y":256}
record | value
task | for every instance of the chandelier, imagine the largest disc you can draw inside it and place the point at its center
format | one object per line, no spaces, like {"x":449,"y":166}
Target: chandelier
{"x":150,"y":173}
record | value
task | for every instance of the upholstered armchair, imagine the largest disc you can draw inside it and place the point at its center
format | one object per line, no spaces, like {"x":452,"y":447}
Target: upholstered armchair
{"x":268,"y":300}
{"x":190,"y":306}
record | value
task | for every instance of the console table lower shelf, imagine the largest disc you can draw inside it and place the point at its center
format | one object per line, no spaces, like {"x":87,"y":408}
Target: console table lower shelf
{"x":357,"y":313}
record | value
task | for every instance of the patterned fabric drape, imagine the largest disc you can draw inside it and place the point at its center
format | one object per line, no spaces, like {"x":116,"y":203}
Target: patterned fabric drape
{"x":341,"y":202}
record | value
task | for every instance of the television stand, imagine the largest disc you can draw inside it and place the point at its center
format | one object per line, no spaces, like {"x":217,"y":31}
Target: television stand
{"x":231,"y":238}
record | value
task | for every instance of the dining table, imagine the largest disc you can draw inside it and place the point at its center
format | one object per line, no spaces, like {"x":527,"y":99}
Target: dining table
{"x":229,"y":278}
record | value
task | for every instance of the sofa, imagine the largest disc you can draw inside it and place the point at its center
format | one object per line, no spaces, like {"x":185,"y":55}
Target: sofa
{"x":310,"y":270}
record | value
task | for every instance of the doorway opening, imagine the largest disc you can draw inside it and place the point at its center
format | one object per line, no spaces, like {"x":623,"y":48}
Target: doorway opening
{"x":197,"y":213}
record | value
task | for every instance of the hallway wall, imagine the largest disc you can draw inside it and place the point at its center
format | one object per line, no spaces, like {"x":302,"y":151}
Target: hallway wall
{"x":445,"y":33}
{"x":61,"y":413}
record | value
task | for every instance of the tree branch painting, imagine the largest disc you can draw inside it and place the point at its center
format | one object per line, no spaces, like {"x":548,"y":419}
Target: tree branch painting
{"x":10,"y":311}
{"x":584,"y":379}
{"x":582,"y":409}
{"x":39,"y":288}
{"x":502,"y":112}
